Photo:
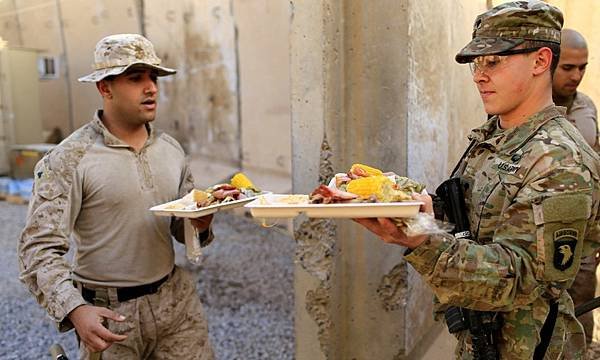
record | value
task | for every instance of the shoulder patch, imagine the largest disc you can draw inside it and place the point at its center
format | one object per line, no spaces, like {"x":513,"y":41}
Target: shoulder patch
{"x":562,"y":222}
{"x":565,"y":242}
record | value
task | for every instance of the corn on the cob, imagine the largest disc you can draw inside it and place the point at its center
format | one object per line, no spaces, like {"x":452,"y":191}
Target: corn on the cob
{"x":241,"y":181}
{"x":360,"y":169}
{"x":379,"y":186}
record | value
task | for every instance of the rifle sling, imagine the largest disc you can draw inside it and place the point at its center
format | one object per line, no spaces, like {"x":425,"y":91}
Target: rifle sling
{"x":546,"y":332}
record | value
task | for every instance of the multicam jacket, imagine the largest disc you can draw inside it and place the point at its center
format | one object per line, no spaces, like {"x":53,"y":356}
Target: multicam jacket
{"x":532,"y":194}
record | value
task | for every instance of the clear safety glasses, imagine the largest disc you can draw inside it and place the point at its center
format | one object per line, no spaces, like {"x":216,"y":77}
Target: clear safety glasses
{"x":487,"y":64}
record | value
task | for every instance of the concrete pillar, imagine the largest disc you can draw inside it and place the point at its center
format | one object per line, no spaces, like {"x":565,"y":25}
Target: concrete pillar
{"x":349,"y":91}
{"x":263,"y":52}
{"x":263,"y":55}
{"x":365,"y":87}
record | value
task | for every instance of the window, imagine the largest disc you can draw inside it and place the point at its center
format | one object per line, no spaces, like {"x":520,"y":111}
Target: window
{"x":48,"y":67}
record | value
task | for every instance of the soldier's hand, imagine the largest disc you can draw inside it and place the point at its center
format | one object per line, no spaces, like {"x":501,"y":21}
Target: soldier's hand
{"x":387,"y":230}
{"x":427,"y":207}
{"x":88,"y":319}
{"x":202,"y":223}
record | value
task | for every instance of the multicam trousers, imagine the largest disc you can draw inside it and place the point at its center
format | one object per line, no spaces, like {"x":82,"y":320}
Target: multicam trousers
{"x":169,"y":324}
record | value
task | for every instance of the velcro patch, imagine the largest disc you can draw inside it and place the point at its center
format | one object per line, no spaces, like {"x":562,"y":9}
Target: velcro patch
{"x":563,"y":208}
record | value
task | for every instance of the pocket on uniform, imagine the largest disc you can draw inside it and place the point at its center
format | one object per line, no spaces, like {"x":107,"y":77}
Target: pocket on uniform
{"x":49,"y":192}
{"x":126,"y":326}
{"x":46,"y":183}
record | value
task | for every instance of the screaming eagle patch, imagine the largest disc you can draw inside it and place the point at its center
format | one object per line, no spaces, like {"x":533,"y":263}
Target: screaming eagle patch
{"x":565,"y":241}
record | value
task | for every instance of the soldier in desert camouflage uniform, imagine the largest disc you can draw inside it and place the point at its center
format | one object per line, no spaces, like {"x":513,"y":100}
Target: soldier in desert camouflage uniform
{"x":573,"y":62}
{"x":582,"y":113}
{"x":531,"y":189}
{"x":123,"y":294}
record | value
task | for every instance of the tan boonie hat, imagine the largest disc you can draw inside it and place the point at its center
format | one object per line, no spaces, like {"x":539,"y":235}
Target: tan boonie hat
{"x":511,"y":24}
{"x":116,"y":53}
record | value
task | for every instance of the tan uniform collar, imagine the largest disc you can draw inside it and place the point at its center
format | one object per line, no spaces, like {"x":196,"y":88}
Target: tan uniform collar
{"x":113,"y":141}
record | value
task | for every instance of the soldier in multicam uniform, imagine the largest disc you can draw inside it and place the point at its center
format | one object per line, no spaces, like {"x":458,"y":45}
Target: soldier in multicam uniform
{"x":532,"y":193}
{"x":582,"y":113}
{"x":123,"y":294}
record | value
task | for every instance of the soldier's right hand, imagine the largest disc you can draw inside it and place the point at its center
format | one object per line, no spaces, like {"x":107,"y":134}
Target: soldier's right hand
{"x":88,"y":319}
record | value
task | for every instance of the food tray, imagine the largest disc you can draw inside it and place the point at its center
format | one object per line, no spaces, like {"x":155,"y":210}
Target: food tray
{"x":163,"y":210}
{"x":279,"y":206}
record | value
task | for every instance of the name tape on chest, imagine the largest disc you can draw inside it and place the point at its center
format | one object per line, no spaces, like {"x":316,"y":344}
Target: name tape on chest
{"x":506,"y":167}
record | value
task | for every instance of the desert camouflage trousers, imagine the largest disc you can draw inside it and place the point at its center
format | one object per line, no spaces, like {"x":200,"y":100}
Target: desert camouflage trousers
{"x":583,"y":290}
{"x":169,"y":324}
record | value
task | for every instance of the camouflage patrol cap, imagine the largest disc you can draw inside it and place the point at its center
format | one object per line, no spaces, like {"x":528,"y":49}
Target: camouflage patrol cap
{"x":116,"y":53}
{"x":511,"y":24}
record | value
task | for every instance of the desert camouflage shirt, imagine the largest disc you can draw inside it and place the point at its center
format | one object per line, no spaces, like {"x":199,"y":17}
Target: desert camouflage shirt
{"x":532,"y":195}
{"x":583,"y":114}
{"x":96,"y":190}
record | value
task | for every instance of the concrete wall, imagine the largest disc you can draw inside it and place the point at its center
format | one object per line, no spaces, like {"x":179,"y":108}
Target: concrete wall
{"x":199,"y":105}
{"x":366,"y":78}
{"x":307,"y":99}
{"x":444,"y":104}
{"x":264,"y":70}
{"x":218,"y":51}
{"x":83,"y":25}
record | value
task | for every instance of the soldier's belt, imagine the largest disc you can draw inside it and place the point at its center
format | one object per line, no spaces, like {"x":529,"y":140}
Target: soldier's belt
{"x":126,"y":293}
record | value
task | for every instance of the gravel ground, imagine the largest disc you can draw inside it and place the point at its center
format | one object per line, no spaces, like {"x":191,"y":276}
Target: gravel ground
{"x":245,"y":283}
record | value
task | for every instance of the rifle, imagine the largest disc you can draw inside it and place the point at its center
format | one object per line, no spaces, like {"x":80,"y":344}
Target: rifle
{"x":587,"y":306}
{"x":482,"y":325}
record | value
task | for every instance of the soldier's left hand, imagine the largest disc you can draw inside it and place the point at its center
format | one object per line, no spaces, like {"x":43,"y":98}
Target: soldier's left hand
{"x":387,"y":230}
{"x":202,"y":223}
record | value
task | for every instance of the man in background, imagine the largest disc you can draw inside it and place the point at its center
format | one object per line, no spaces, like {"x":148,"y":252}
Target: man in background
{"x":582,"y":113}
{"x":581,"y":110}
